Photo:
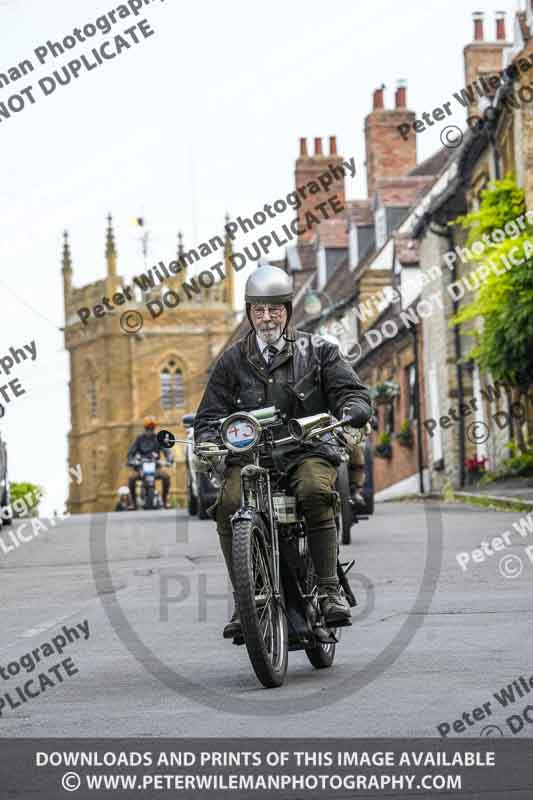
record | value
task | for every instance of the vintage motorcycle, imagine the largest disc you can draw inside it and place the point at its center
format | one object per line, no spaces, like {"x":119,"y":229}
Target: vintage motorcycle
{"x":275,"y":581}
{"x":146,"y":467}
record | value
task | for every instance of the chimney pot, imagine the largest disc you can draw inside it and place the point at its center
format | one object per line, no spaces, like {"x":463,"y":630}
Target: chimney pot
{"x":303,"y":147}
{"x":318,"y":145}
{"x":333,"y":145}
{"x":478,"y":17}
{"x":500,"y":26}
{"x":401,"y":95}
{"x":377,"y":101}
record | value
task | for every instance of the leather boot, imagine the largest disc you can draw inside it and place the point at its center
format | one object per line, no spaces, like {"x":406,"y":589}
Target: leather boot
{"x":357,"y":497}
{"x":322,"y":541}
{"x":233,"y":628}
{"x":335,"y":608}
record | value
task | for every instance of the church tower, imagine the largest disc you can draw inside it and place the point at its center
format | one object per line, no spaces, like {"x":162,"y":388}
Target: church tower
{"x":127,"y":363}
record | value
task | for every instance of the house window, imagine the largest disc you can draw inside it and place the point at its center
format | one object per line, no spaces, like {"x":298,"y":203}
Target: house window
{"x":172,"y":388}
{"x":411,"y":392}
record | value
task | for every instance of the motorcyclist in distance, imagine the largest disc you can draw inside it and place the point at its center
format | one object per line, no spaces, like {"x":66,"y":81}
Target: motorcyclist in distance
{"x":145,"y":445}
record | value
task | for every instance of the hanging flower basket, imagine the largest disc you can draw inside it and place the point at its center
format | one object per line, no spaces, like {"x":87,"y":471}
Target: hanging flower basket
{"x":405,"y":435}
{"x":383,"y":448}
{"x":384,"y":393}
{"x":383,"y":451}
{"x":406,"y":441}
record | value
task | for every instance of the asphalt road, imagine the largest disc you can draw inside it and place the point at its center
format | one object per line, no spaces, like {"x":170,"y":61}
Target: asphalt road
{"x":429,"y":641}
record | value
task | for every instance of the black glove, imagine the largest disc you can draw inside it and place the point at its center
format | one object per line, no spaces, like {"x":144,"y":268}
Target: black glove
{"x":357,"y":416}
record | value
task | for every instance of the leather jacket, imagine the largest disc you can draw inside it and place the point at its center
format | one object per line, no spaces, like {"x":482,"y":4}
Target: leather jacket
{"x":308,"y":376}
{"x":145,"y":444}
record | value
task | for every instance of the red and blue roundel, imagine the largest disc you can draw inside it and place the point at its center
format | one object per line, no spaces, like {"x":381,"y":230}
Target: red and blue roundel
{"x":241,"y":433}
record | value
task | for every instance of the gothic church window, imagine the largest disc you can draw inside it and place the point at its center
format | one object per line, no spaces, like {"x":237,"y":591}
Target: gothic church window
{"x":179,"y":388}
{"x":172,"y":387}
{"x":166,"y":389}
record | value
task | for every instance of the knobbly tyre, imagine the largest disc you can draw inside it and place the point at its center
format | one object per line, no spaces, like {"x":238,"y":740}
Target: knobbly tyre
{"x":276,"y":586}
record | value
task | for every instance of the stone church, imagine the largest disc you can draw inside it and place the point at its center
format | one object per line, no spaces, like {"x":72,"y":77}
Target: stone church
{"x":118,"y":377}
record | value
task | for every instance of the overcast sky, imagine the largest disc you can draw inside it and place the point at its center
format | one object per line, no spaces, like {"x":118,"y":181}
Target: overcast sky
{"x":202,"y":118}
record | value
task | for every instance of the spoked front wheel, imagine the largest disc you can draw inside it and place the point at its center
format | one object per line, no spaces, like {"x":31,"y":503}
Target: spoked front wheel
{"x":263,"y":621}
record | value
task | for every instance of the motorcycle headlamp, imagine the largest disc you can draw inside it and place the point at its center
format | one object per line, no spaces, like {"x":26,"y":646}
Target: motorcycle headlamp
{"x":240,"y":432}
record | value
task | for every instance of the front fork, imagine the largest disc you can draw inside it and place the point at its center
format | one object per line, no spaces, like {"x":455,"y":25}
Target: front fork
{"x":252,"y":476}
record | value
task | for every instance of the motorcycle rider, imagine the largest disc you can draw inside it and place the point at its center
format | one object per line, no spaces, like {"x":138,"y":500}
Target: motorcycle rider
{"x":274,"y":364}
{"x":147,"y":444}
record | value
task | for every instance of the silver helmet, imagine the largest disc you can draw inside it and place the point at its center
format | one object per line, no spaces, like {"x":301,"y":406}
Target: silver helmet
{"x":268,"y":284}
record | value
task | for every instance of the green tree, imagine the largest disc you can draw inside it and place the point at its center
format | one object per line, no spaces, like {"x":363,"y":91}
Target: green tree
{"x":504,"y":302}
{"x":25,"y":499}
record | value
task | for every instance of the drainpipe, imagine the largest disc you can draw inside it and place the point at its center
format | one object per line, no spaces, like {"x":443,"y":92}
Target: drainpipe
{"x":447,"y":233}
{"x":417,"y":411}
{"x":458,"y":370}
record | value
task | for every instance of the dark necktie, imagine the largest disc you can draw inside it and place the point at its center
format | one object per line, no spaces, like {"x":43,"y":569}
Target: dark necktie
{"x":272,"y":353}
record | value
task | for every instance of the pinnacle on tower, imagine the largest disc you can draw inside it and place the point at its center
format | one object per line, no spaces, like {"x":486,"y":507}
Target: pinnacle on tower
{"x":228,"y":244}
{"x":67,"y":260}
{"x":181,"y":260}
{"x":110,"y":250}
{"x":229,"y":284}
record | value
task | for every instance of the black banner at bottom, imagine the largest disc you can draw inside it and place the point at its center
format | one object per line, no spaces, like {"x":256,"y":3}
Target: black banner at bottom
{"x":281,"y":768}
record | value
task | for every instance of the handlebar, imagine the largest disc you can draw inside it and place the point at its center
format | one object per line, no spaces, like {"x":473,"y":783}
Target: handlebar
{"x":314,"y":433}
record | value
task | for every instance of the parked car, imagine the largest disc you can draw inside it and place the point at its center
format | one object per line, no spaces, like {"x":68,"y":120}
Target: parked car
{"x":201,"y":490}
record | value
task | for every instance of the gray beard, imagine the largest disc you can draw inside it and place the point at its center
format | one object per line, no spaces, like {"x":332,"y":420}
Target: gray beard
{"x":270,"y":337}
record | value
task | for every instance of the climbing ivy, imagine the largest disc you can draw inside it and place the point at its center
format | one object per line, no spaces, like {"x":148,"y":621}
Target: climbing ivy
{"x":504,"y":342}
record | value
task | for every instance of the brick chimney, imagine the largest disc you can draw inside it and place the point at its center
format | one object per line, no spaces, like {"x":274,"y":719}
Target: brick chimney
{"x":500,"y":26}
{"x":388,"y":155}
{"x":483,"y":58}
{"x":307,"y":169}
{"x":479,"y":19}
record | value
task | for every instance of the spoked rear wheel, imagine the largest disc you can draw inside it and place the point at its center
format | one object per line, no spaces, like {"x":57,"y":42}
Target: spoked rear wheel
{"x":322,"y":654}
{"x":264,"y":624}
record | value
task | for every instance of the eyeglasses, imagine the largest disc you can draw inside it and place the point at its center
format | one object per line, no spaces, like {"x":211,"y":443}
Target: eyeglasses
{"x":274,"y":311}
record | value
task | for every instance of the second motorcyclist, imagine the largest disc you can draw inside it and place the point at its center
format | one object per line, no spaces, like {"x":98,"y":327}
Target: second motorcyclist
{"x":147,"y":445}
{"x":276,"y":365}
